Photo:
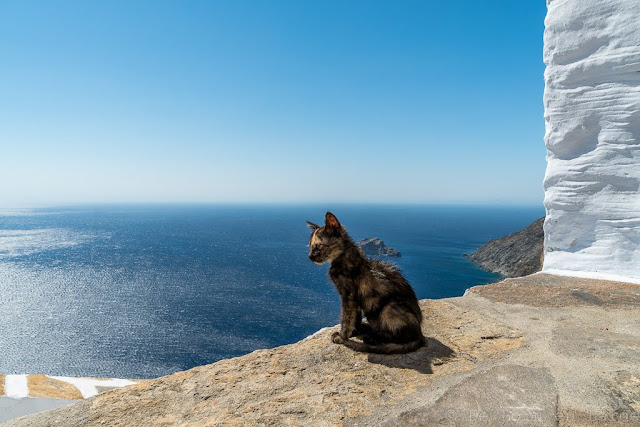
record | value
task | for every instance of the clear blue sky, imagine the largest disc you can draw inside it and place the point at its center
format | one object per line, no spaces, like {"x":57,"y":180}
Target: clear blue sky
{"x":271,"y":101}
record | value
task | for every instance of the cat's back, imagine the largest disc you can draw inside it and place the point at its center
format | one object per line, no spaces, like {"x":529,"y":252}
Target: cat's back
{"x":385,"y":269}
{"x":395,"y":288}
{"x":389,"y":276}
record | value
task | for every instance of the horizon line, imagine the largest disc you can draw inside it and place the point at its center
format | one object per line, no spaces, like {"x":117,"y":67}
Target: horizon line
{"x":275,"y":204}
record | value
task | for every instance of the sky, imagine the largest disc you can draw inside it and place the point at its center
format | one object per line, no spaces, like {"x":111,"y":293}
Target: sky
{"x":271,"y":102}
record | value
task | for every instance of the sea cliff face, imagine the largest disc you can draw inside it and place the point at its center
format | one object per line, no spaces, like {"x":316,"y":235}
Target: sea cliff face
{"x":515,"y":255}
{"x":592,"y":114}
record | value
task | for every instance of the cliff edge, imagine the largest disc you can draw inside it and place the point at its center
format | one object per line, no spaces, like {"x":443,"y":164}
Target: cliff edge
{"x":539,"y":350}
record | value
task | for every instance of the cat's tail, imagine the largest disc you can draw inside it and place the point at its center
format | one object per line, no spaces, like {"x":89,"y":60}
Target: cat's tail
{"x":386,"y":348}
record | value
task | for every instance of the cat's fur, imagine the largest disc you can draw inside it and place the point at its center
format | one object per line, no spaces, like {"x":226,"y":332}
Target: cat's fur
{"x":368,"y":289}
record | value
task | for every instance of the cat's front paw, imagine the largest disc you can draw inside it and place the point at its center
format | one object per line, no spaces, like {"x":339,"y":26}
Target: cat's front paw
{"x":336,"y":338}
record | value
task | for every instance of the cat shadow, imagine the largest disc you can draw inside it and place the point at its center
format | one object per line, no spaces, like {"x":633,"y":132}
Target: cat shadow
{"x":421,"y":360}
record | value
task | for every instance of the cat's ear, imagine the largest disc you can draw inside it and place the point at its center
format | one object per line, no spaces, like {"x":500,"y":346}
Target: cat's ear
{"x":331,"y":223}
{"x":312,"y":226}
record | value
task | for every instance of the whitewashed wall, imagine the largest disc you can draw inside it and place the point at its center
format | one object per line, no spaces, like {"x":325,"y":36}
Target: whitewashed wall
{"x":592,"y":113}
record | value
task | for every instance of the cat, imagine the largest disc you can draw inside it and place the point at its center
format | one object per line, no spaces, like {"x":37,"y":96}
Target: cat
{"x":369,"y":289}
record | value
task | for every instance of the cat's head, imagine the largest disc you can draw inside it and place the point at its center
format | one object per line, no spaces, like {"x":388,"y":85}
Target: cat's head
{"x":326,"y":242}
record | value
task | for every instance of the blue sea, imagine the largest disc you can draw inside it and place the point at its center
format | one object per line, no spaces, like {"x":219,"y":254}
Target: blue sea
{"x":142,"y":291}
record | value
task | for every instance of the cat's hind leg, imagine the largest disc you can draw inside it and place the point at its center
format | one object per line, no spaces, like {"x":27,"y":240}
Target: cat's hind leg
{"x":368,"y":335}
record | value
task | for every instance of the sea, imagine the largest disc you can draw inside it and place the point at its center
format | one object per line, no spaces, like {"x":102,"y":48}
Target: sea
{"x":141,"y":291}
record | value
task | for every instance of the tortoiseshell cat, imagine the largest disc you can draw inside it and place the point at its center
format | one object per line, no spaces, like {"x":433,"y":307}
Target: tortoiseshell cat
{"x":368,"y":289}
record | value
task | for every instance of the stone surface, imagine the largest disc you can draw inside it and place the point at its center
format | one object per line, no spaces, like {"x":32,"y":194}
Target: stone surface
{"x":515,"y":255}
{"x":520,"y":396}
{"x":592,"y":113}
{"x":527,"y":351}
{"x":546,"y":290}
{"x":373,"y":246}
{"x":14,"y":408}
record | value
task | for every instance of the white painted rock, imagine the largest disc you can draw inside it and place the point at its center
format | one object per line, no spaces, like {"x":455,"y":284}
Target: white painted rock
{"x":592,"y":113}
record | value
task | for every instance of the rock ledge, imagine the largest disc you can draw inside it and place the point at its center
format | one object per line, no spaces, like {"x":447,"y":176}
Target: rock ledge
{"x":539,"y":350}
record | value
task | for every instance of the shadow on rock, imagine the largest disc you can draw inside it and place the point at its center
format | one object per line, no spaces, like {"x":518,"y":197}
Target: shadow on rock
{"x":421,"y":360}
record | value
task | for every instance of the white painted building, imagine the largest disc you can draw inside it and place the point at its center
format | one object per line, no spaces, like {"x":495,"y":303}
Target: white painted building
{"x":592,"y":113}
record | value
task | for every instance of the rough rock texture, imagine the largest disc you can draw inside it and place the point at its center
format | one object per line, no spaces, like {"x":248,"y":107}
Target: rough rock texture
{"x":592,"y":113}
{"x":373,"y":246}
{"x":515,"y":255}
{"x":546,"y":290}
{"x":502,"y":355}
{"x":522,"y":395}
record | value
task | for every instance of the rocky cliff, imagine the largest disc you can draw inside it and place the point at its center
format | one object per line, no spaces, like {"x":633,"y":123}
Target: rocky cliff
{"x":536,"y":351}
{"x":518,"y":254}
{"x":592,"y":114}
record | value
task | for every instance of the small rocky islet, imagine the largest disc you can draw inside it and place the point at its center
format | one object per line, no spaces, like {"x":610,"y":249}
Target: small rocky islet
{"x":373,"y":246}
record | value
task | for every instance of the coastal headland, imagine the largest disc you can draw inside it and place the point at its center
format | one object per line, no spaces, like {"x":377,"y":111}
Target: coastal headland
{"x":538,"y":350}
